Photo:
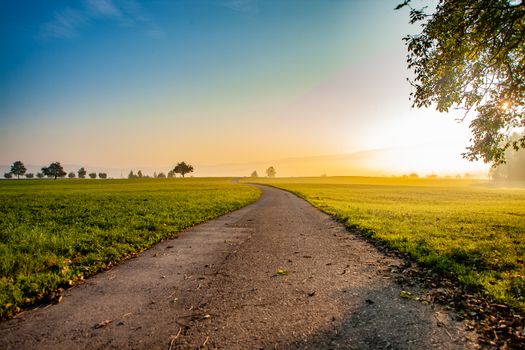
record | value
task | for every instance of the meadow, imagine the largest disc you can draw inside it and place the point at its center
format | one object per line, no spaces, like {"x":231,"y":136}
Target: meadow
{"x":55,"y":233}
{"x":462,"y":228}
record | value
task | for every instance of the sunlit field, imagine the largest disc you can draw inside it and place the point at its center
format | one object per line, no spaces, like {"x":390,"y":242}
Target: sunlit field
{"x":463,"y":228}
{"x":53,"y":233}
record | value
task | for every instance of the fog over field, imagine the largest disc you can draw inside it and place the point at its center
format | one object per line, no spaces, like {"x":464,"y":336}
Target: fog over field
{"x":367,"y":163}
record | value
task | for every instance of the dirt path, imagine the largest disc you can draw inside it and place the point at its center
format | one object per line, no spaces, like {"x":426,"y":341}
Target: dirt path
{"x":216,"y":285}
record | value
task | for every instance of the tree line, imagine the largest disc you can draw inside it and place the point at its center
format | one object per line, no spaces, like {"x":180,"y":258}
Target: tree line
{"x":181,"y":168}
{"x":55,"y":170}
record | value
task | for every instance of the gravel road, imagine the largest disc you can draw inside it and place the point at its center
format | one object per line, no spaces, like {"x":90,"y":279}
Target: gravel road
{"x":277,"y":274}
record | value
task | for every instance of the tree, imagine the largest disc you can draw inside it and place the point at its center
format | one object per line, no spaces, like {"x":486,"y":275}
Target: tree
{"x":470,"y":55}
{"x":254,"y":174}
{"x":30,"y":175}
{"x":40,"y":175}
{"x":271,"y":171}
{"x":139,"y":174}
{"x":513,"y":170}
{"x":18,"y":168}
{"x":102,"y":175}
{"x":71,"y":175}
{"x":8,"y":175}
{"x":54,"y":170}
{"x":171,"y":174}
{"x":183,"y":168}
{"x":161,"y":175}
{"x":131,"y":175}
{"x":92,"y":175}
{"x":82,"y":173}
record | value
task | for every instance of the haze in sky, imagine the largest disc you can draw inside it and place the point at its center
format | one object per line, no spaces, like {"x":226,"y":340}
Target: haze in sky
{"x":224,"y":85}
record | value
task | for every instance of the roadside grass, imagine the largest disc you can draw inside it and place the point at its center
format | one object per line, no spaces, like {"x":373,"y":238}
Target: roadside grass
{"x":55,"y":233}
{"x":463,"y":228}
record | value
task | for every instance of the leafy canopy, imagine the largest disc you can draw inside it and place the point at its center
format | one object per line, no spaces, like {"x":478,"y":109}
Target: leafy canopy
{"x":82,"y":173}
{"x":54,"y":170}
{"x":470,"y":55}
{"x":183,"y":168}
{"x":18,"y":168}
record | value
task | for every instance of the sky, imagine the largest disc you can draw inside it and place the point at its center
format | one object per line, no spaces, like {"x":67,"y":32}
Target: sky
{"x":225,"y":85}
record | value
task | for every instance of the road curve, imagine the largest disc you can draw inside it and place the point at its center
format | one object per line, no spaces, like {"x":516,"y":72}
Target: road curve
{"x":217,"y":286}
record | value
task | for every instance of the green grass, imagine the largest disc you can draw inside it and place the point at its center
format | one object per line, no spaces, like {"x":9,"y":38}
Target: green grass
{"x":463,"y":228}
{"x":53,"y":233}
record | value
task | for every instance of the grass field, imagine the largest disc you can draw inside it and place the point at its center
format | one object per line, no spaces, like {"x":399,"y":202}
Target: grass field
{"x":53,"y":233}
{"x":464,"y":228}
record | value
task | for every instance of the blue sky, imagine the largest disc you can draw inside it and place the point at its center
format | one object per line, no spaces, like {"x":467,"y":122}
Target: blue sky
{"x":127,"y":83}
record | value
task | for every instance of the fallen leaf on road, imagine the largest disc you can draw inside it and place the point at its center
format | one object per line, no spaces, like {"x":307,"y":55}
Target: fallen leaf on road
{"x":103,"y":324}
{"x":282,"y":272}
{"x":405,"y":295}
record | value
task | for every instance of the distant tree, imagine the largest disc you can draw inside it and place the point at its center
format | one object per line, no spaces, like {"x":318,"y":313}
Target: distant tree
{"x":54,"y":170}
{"x":8,"y":175}
{"x":102,"y":175}
{"x":39,"y":175}
{"x":254,"y":174}
{"x":270,"y":172}
{"x":131,"y":175}
{"x":514,"y":168}
{"x":71,"y":175}
{"x":18,"y":168}
{"x":139,"y":174}
{"x":183,"y":168}
{"x":470,"y":55}
{"x":30,"y":175}
{"x":171,"y":174}
{"x":413,"y":176}
{"x":82,"y":173}
{"x":154,"y":174}
{"x":161,"y":175}
{"x":92,"y":175}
